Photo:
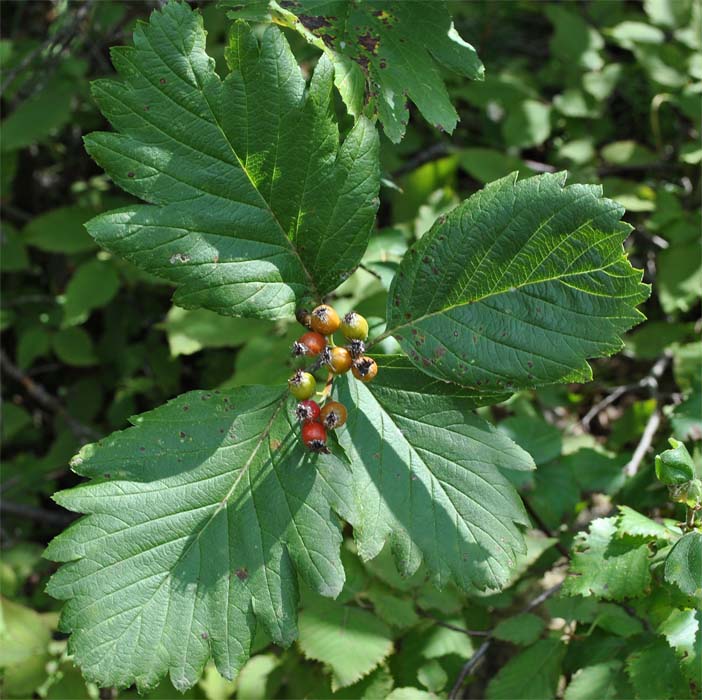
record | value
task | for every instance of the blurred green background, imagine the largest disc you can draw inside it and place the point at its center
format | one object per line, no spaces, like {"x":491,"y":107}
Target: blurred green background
{"x":610,"y":91}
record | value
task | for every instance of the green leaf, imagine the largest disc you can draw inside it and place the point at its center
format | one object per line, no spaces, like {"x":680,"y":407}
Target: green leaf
{"x":427,"y":475}
{"x":686,"y":417}
{"x":24,"y":642}
{"x":392,"y":49}
{"x":199,"y":517}
{"x":675,"y":466}
{"x":397,"y":611}
{"x":60,"y":230}
{"x":93,"y":286}
{"x":37,"y":117}
{"x":14,"y":419}
{"x":438,"y":641}
{"x":74,"y":347}
{"x":655,"y":673}
{"x":595,"y":470}
{"x":597,"y":681}
{"x":635,"y":524}
{"x":410,"y":693}
{"x":485,"y":164}
{"x":215,"y":687}
{"x":432,"y":676}
{"x":531,"y":675}
{"x":575,"y":41}
{"x":191,"y":331}
{"x":33,"y":343}
{"x":539,"y":438}
{"x":351,"y":641}
{"x":683,"y":565}
{"x":252,"y":681}
{"x":683,"y":630}
{"x":13,"y":253}
{"x":520,"y":629}
{"x":517,"y":286}
{"x":528,"y":124}
{"x":607,"y":566}
{"x":254,"y":203}
{"x":679,"y":276}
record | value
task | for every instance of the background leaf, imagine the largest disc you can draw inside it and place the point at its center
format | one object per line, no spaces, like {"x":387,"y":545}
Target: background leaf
{"x":391,"y":49}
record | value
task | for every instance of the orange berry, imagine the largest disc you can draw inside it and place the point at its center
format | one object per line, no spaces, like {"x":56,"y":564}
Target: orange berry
{"x":365,"y":369}
{"x":325,"y":320}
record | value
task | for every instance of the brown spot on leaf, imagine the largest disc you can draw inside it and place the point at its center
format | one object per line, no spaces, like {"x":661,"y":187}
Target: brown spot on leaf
{"x":368,"y":42}
{"x":313,"y":23}
{"x":241,"y":574}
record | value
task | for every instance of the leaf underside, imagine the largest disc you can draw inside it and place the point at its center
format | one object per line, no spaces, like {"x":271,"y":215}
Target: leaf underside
{"x":518,"y":286}
{"x":202,"y":516}
{"x":254,"y":203}
{"x":384,"y":53}
{"x":427,"y":474}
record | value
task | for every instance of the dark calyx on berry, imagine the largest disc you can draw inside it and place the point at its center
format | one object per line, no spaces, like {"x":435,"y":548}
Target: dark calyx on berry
{"x":307,"y":411}
{"x":357,"y":348}
{"x":325,"y":320}
{"x":302,"y":385}
{"x":333,"y":415}
{"x":354,"y":326}
{"x":314,"y":436}
{"x":365,"y":369}
{"x":309,"y":344}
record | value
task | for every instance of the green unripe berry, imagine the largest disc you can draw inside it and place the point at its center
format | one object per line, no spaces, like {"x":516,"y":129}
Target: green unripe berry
{"x":354,"y":326}
{"x":302,"y":385}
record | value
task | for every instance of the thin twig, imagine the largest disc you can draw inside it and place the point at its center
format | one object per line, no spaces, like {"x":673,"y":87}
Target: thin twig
{"x":434,"y":152}
{"x":474,"y":660}
{"x":468,"y":668}
{"x":654,"y":421}
{"x":455,"y":628}
{"x":649,"y":381}
{"x":642,"y":448}
{"x":370,"y":272}
{"x":33,"y":513}
{"x":45,"y":399}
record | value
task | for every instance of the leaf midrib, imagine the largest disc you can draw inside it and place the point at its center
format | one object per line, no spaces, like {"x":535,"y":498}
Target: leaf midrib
{"x":489,"y":295}
{"x":216,"y":123}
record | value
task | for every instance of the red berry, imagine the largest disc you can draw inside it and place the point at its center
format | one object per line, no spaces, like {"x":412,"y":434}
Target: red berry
{"x":333,"y":415}
{"x":314,"y":436}
{"x":309,"y":344}
{"x":307,"y":411}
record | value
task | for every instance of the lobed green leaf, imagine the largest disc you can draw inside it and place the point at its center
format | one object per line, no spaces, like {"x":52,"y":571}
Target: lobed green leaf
{"x":200,"y":518}
{"x":254,"y":203}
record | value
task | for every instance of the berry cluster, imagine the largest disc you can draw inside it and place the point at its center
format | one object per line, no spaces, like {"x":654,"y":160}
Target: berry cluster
{"x":317,"y":343}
